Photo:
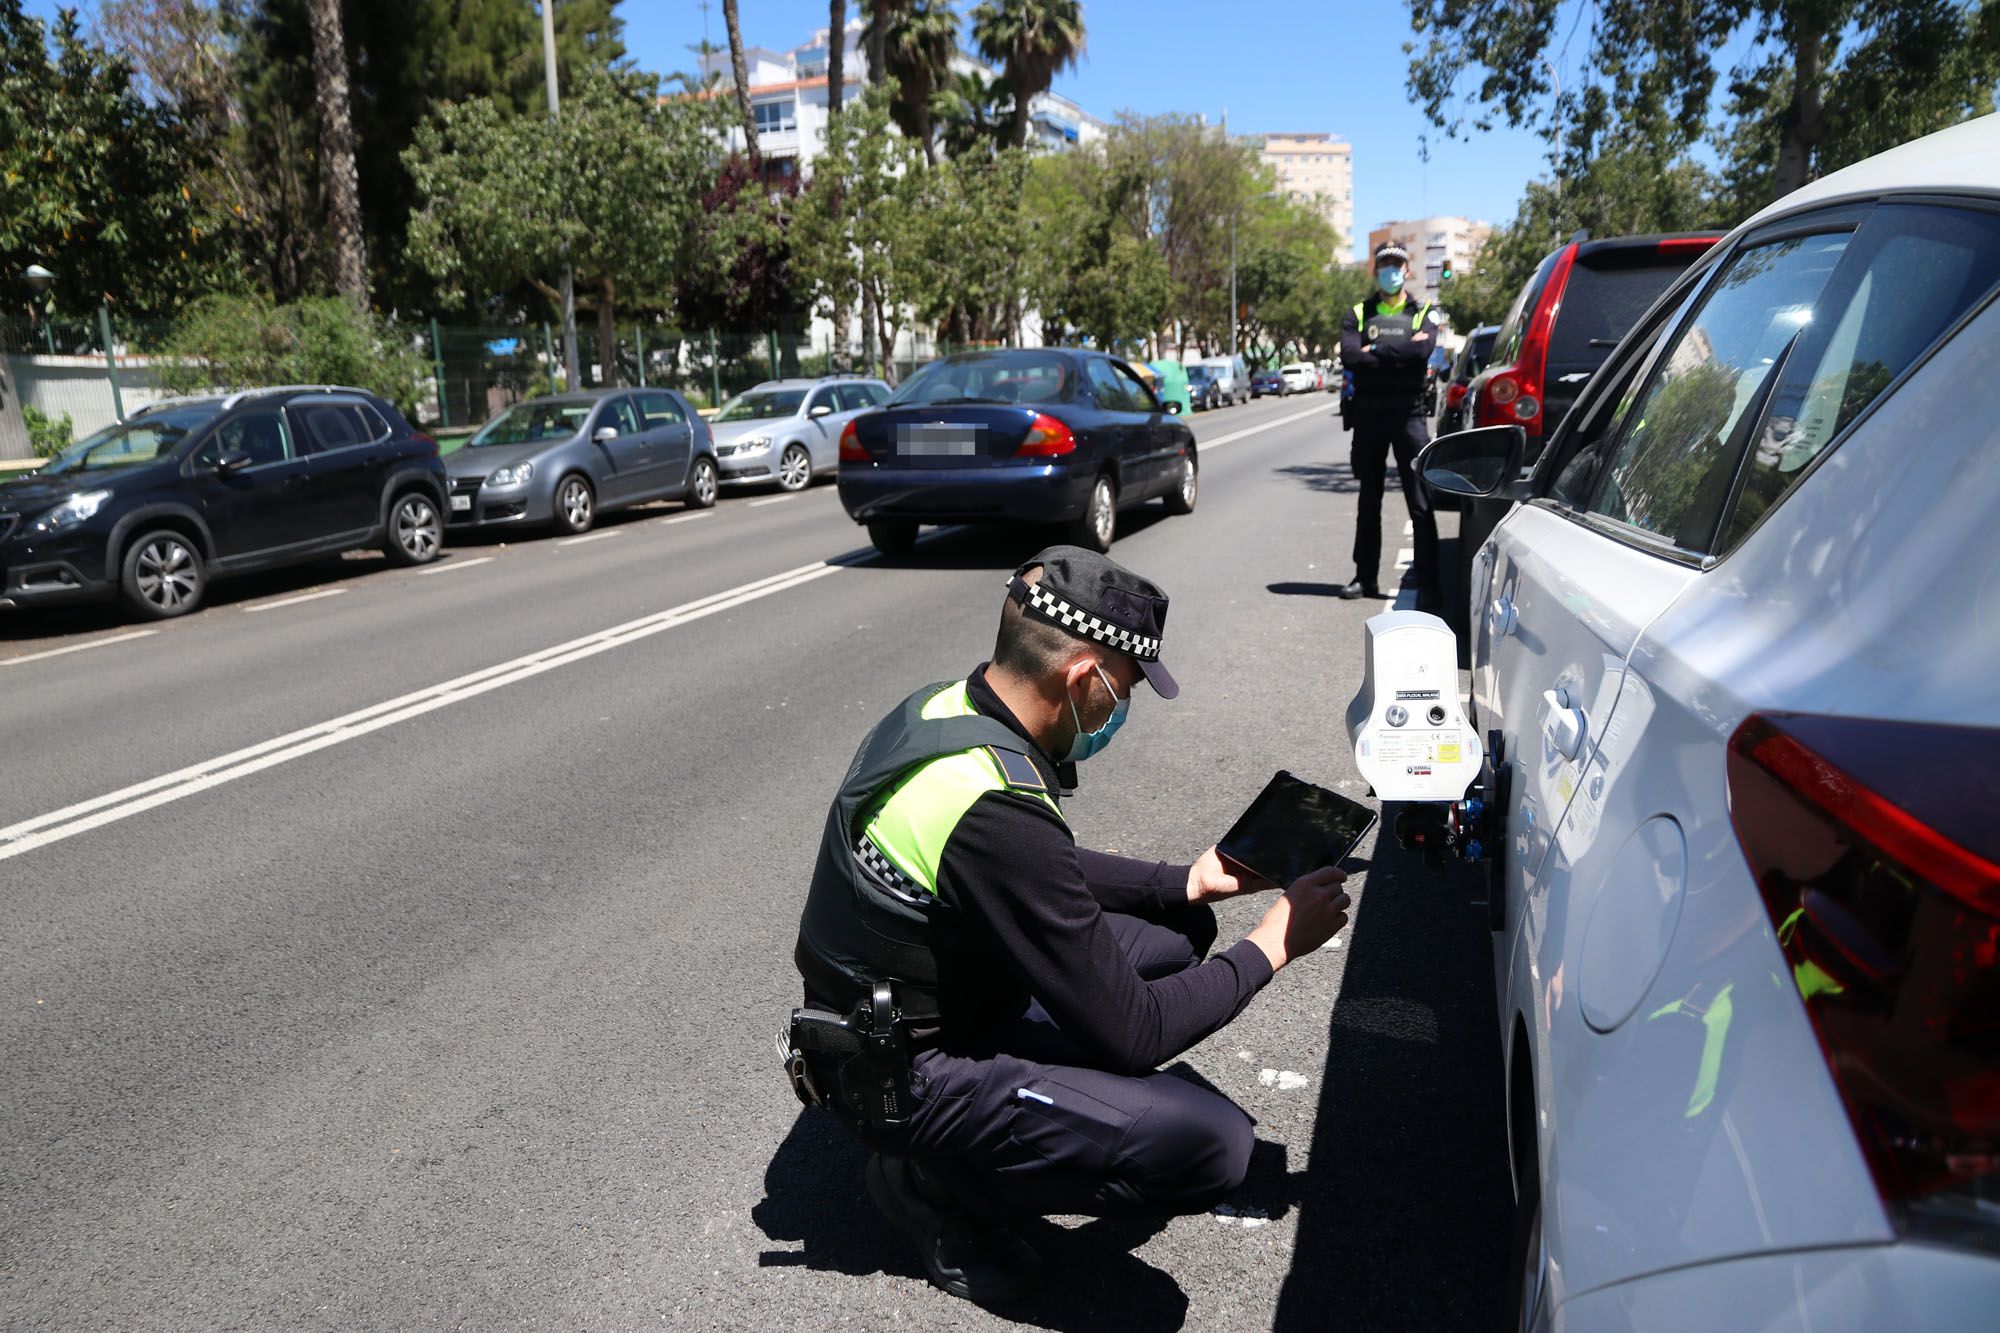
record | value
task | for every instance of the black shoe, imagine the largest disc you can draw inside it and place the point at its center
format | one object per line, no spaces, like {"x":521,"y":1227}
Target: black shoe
{"x":1359,"y":588}
{"x":964,"y":1254}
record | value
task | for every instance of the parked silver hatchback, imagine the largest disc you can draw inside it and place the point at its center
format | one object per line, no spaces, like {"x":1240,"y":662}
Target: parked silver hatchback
{"x":788,"y":431}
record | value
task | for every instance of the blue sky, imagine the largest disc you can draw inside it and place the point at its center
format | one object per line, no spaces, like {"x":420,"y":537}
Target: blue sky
{"x":1337,"y":67}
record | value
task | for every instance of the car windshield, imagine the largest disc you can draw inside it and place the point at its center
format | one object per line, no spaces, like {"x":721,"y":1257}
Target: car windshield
{"x":526,"y":423}
{"x":1004,"y":376}
{"x":1199,"y":374}
{"x":149,"y":438}
{"x":761,"y":405}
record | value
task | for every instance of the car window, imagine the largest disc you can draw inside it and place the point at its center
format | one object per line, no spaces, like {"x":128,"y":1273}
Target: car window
{"x":1603,"y":299}
{"x":620,"y":414}
{"x":1671,"y":471}
{"x":856,"y":397}
{"x":1911,"y":272}
{"x":1105,"y":386}
{"x":144,"y":439}
{"x":528,"y":423}
{"x":1138,"y":397}
{"x":263,"y":436}
{"x":324,"y":426}
{"x":825,"y":398}
{"x":660,"y":410}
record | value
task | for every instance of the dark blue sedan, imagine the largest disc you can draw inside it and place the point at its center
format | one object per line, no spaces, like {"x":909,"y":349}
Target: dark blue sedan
{"x":1015,"y":436}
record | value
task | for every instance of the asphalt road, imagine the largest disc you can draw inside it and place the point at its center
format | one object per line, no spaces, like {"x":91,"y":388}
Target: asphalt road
{"x":399,"y":949}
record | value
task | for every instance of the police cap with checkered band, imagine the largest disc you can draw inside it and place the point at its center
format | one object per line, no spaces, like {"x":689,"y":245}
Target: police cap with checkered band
{"x":1098,"y":600}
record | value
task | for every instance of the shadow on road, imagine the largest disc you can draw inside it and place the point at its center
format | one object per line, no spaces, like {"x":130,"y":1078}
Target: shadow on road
{"x":1405,"y":1218}
{"x":989,"y":546}
{"x":1333,"y":478}
{"x":813,"y":1195}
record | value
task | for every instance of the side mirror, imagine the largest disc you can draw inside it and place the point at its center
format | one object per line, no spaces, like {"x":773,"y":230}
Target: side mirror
{"x":1173,"y":407}
{"x":605,"y":434}
{"x":231,"y":460}
{"x":822,"y":410}
{"x":1474,"y":462}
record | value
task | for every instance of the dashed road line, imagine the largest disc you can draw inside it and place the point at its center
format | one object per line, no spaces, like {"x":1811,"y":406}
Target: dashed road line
{"x":684,"y":518}
{"x":294,"y":601}
{"x":589,"y":537}
{"x":77,"y":647}
{"x":1209,"y":446}
{"x":771,"y":500}
{"x":449,"y":566}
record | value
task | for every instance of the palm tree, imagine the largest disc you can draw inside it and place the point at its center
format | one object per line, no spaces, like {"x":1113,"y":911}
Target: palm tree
{"x":836,"y":56}
{"x":1032,"y":41}
{"x":741,"y":68}
{"x":964,"y":110}
{"x":917,"y":50}
{"x":874,"y":37}
{"x":336,"y":151}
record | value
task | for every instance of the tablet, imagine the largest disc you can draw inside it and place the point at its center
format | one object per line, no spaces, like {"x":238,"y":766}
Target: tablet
{"x":1294,"y":828}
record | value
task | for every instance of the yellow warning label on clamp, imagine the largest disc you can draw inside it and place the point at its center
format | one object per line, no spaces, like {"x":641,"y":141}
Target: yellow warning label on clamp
{"x":1447,"y":754}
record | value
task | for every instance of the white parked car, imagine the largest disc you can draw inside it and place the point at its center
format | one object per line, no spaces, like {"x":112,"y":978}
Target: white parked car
{"x":788,"y":431}
{"x":1299,"y":377}
{"x":1740,"y":647}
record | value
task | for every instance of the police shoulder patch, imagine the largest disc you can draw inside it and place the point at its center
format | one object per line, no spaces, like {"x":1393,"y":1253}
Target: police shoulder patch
{"x":1018,"y":769}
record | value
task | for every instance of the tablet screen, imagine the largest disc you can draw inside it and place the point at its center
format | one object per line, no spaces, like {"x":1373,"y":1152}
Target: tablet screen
{"x":1293,"y":828}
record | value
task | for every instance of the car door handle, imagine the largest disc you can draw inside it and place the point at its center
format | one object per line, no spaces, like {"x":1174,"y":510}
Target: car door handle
{"x":1563,"y":723}
{"x":1500,"y":618}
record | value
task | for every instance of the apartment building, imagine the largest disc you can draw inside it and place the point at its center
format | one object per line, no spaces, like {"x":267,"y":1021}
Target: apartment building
{"x":1431,"y":241}
{"x":1316,"y":169}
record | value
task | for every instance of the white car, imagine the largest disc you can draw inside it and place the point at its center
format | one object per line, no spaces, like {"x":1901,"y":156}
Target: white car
{"x":1299,"y":377}
{"x":1739,"y":646}
{"x":788,"y":431}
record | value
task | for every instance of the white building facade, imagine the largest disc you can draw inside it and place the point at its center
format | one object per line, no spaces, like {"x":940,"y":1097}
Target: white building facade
{"x":1316,"y":170}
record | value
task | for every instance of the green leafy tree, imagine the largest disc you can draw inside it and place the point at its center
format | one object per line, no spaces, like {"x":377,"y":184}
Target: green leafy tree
{"x":93,"y":178}
{"x":616,"y":182}
{"x":969,"y":234}
{"x":1824,"y":83}
{"x":921,"y":39}
{"x":239,"y":342}
{"x":854,"y":225}
{"x":1032,"y":41}
{"x":1093,"y":274}
{"x":47,"y":435}
{"x":966,"y":113}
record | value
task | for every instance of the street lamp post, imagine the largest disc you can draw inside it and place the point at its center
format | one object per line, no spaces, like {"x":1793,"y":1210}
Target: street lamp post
{"x":39,"y":280}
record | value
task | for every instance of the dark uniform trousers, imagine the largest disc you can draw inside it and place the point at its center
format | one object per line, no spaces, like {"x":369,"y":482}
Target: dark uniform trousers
{"x":1028,"y":1124}
{"x":1376,"y":436}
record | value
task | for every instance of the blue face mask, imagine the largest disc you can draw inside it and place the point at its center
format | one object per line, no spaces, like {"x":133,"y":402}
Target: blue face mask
{"x":1389,"y":279}
{"x":1088,"y":743}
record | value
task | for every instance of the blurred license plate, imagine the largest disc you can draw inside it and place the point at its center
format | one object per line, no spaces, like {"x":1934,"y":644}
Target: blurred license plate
{"x":938,"y":441}
{"x":459,"y":502}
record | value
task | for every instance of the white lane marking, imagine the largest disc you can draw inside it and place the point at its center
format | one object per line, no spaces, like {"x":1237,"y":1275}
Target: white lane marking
{"x":1208,"y":446}
{"x":1405,"y":556}
{"x":1282,"y":1079}
{"x":77,"y":647}
{"x":588,"y":537}
{"x":770,"y":500}
{"x":111,"y":807}
{"x":1409,"y":527}
{"x":687,"y":518}
{"x":455,"y":564}
{"x":294,"y":601}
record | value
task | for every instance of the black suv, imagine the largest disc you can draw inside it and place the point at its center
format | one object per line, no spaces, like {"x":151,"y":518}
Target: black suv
{"x":193,"y":488}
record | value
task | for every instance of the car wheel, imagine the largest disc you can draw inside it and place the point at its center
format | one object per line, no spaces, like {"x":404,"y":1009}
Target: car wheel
{"x":576,"y":504}
{"x":1180,"y":500}
{"x":795,"y":469}
{"x":416,"y":533}
{"x":701,"y":484}
{"x":893,"y":537}
{"x":1099,"y":523}
{"x":163,"y":576}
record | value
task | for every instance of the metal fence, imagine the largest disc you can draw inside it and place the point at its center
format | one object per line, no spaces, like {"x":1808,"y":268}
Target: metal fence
{"x":97,"y":371}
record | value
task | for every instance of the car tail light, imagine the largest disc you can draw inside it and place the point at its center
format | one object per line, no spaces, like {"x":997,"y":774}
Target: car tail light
{"x":1505,"y":401}
{"x":850,"y":446}
{"x":1875,"y":850}
{"x":1046,"y":438}
{"x":1692,"y":246}
{"x":1455,"y":394}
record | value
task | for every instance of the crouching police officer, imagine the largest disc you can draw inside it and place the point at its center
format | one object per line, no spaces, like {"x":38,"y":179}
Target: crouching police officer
{"x":1387,"y":342}
{"x":986,"y":1002}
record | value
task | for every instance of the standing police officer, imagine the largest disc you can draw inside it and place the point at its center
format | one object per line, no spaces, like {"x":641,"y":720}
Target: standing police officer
{"x":987,"y":1002}
{"x":1386,"y":342}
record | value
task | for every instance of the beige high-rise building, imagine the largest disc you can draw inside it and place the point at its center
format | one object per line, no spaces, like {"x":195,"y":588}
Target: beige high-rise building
{"x":1316,"y":169}
{"x":1430,"y":242}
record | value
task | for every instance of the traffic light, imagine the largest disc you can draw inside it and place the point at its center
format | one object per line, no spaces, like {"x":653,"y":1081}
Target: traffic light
{"x":1444,"y":273}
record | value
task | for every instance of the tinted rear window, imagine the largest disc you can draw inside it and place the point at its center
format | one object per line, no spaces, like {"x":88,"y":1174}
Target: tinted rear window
{"x":1604,"y":299}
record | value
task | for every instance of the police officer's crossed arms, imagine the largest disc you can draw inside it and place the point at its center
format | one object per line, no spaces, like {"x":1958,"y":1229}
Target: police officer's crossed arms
{"x":987,"y":1003}
{"x":1386,"y":342}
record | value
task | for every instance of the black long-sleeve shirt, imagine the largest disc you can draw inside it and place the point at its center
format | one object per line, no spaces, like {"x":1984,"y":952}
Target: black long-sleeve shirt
{"x":1025,"y":917}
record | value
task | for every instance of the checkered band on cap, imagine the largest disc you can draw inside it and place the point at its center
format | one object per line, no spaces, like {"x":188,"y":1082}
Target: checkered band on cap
{"x":1084,"y":625}
{"x":1391,"y":250}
